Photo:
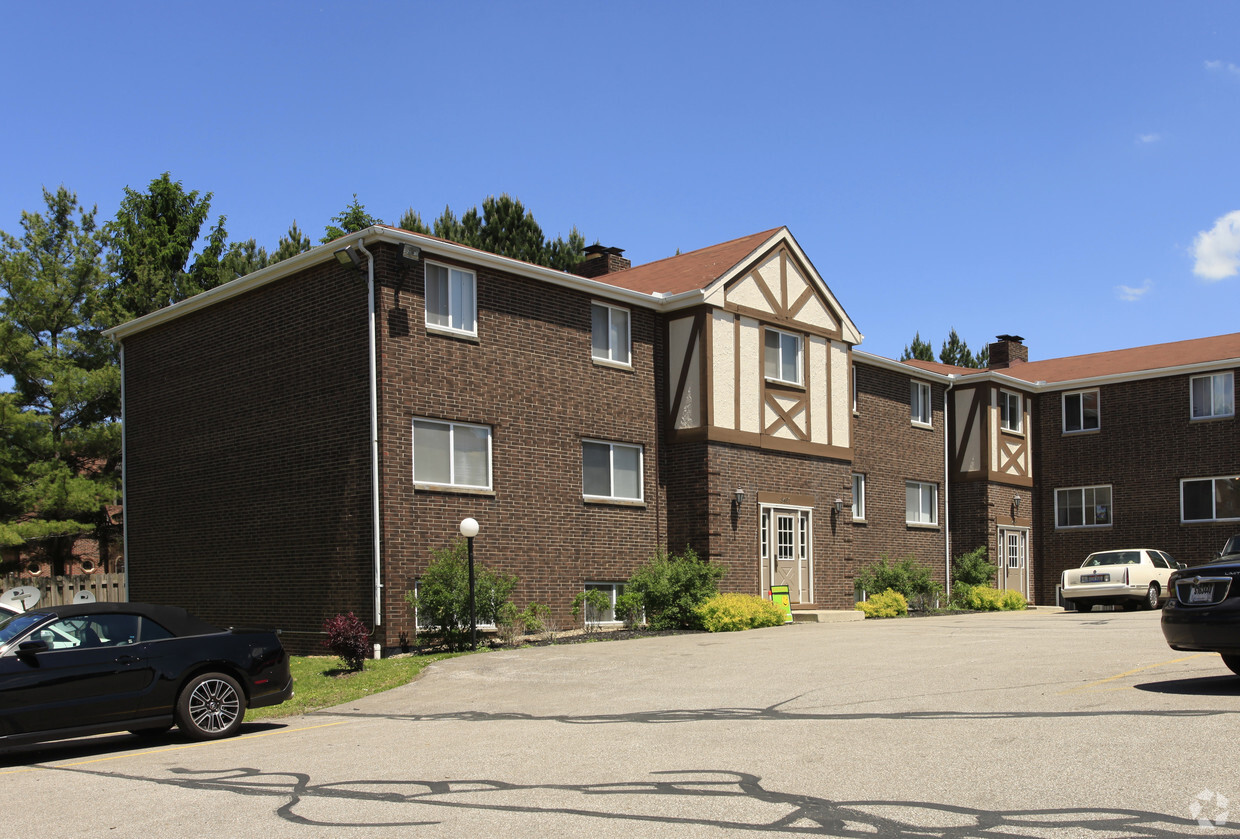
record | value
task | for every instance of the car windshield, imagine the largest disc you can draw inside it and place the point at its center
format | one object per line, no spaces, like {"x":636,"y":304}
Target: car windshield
{"x":1232,"y":546}
{"x":1114,"y":558}
{"x":11,"y":626}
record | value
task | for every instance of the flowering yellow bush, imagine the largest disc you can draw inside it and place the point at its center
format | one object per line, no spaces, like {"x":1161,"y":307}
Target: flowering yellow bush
{"x":889,"y":604}
{"x":732,"y":612}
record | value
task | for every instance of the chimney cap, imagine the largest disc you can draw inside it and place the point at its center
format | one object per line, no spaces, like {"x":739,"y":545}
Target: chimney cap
{"x":1015,"y":338}
{"x":599,"y":250}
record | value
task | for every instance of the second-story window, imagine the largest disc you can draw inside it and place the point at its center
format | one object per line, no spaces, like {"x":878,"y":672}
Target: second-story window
{"x":1011,"y":413}
{"x":919,"y":403}
{"x":1213,"y":396}
{"x":783,"y":356}
{"x":1080,"y":411}
{"x":609,"y":334}
{"x":611,"y":471}
{"x":451,"y":299}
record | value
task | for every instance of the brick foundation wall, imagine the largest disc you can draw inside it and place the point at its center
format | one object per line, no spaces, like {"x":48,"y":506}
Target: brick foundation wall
{"x":247,"y":464}
{"x":1146,"y":443}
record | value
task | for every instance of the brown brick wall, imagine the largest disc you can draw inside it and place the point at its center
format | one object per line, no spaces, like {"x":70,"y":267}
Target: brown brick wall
{"x":888,"y":450}
{"x":1145,"y":445}
{"x":246,"y":457}
{"x":530,"y":377}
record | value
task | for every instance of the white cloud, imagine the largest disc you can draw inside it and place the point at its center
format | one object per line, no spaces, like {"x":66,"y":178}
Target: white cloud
{"x":1217,"y":250}
{"x":1224,"y":67}
{"x":1146,"y":139}
{"x":1132,"y":295}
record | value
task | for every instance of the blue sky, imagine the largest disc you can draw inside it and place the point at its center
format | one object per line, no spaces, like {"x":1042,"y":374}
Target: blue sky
{"x":1068,"y":172}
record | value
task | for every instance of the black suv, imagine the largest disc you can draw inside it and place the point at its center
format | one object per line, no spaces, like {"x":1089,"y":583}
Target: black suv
{"x":1203,"y":608}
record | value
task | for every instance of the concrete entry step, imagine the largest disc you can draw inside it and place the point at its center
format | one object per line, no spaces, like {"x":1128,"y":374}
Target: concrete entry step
{"x":826,"y":615}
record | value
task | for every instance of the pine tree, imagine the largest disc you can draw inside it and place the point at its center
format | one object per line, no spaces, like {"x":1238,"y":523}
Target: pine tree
{"x":920,"y":350}
{"x":59,"y":435}
{"x":350,"y":220}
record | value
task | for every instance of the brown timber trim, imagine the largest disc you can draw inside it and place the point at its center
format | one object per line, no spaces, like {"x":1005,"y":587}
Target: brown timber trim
{"x":736,"y":370}
{"x":1023,"y":481}
{"x":790,"y":499}
{"x":782,"y":320}
{"x":695,"y":331}
{"x":706,"y":358}
{"x":759,"y":441}
{"x":974,"y":411}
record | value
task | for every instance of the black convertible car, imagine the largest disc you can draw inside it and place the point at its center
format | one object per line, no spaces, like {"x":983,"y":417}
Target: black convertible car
{"x":70,"y":671}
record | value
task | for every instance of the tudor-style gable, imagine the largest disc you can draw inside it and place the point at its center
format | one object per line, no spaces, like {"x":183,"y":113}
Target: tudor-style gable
{"x":763,"y":358}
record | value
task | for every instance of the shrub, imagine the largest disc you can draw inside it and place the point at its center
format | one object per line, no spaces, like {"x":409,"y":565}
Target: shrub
{"x":442,"y":598}
{"x":672,"y":586}
{"x":535,"y":617}
{"x":907,"y":577}
{"x":629,"y":609}
{"x":590,"y":601}
{"x":348,"y":638}
{"x":732,"y":612}
{"x":973,"y":569}
{"x":509,"y":625}
{"x":888,"y":604}
{"x":988,"y":599}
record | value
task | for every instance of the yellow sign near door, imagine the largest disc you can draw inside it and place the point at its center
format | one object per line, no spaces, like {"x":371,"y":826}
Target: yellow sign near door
{"x":779,"y":596}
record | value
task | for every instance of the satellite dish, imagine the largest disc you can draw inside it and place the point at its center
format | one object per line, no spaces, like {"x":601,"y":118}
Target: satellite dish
{"x":84,"y":596}
{"x":22,"y":597}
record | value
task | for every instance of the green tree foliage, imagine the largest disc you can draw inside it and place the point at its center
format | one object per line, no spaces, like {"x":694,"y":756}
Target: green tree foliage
{"x":291,"y":244}
{"x":242,"y":258}
{"x":151,"y":242}
{"x":350,"y":220}
{"x":954,"y":351}
{"x":442,"y":599}
{"x":504,"y":227}
{"x":412,"y":221}
{"x":59,"y":441}
{"x":974,"y":568}
{"x":672,"y":586}
{"x":920,"y":350}
{"x":908,"y":577}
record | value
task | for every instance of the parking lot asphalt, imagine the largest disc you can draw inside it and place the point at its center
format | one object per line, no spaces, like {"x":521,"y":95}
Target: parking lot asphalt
{"x":1041,"y":723}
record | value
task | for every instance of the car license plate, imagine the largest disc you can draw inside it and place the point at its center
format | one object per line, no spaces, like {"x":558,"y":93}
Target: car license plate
{"x":1202,"y":593}
{"x":1095,"y":578}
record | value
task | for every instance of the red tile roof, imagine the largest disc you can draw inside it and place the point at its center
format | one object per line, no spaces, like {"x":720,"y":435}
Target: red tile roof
{"x":688,"y":271}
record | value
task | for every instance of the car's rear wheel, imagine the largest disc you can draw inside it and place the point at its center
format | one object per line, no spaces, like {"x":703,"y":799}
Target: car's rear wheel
{"x":1232,"y":662}
{"x":1151,"y":597}
{"x":210,"y":706}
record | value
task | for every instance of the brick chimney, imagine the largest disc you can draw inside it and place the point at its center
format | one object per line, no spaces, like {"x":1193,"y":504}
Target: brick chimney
{"x":1005,"y":350}
{"x":600,"y":260}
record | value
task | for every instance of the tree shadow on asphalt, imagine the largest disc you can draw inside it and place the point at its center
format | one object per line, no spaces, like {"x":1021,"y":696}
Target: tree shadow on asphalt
{"x":734,"y":803}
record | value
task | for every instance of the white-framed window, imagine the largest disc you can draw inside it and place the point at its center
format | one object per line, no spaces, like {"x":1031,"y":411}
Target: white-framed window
{"x":854,"y":388}
{"x":1080,"y":411}
{"x":1011,"y":411}
{"x":611,"y":471}
{"x":921,"y":502}
{"x":765,"y":526}
{"x":920,"y":409}
{"x":1083,"y":507}
{"x":1213,"y":395}
{"x":1210,"y":499}
{"x":609,"y":334}
{"x":858,"y":497}
{"x":451,"y":299}
{"x":451,"y":454}
{"x":608,"y":615}
{"x":783,"y":356}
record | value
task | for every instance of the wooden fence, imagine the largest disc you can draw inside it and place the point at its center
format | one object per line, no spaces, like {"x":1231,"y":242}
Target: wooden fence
{"x":107,"y":588}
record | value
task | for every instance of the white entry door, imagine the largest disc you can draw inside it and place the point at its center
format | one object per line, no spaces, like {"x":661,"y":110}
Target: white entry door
{"x":1014,"y":559}
{"x":786,"y":552}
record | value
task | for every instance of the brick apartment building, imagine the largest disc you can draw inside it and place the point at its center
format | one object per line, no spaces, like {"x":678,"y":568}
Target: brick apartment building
{"x":297,"y":442}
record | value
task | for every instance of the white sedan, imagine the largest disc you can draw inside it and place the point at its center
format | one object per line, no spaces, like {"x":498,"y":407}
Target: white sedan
{"x":1133,"y":577}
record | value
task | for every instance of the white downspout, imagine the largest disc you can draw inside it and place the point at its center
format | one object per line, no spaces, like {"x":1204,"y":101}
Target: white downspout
{"x":374,"y":433}
{"x":947,"y":515}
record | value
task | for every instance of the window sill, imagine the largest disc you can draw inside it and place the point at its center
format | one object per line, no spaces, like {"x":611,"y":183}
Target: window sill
{"x":1212,"y":419}
{"x":613,"y":502}
{"x":614,"y":365}
{"x":859,"y":521}
{"x":467,"y":337}
{"x":915,"y":525}
{"x":1084,"y":527}
{"x":926,"y":425}
{"x":452,"y":490}
{"x":782,"y":383}
{"x":1083,"y":432}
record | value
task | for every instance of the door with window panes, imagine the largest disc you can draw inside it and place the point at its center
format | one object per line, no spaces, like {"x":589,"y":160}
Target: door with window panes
{"x":786,"y":553}
{"x":1014,"y":559}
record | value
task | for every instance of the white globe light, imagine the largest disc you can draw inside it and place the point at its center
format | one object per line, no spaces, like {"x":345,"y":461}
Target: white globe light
{"x":469,"y":528}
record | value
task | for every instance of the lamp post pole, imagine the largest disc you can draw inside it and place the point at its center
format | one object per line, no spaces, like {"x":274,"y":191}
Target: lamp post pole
{"x":469,"y":529}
